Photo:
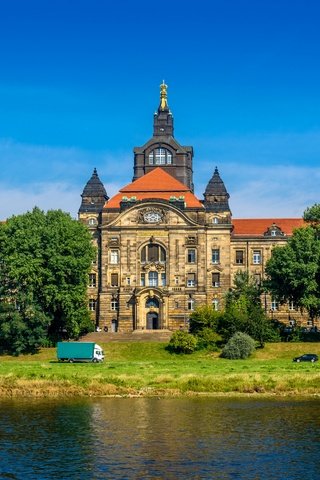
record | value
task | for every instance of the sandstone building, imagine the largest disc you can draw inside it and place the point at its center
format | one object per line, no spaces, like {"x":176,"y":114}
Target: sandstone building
{"x":161,"y":250}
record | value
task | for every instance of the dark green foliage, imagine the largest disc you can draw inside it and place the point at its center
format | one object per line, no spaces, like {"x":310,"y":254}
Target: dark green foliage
{"x":208,"y":339}
{"x":294,"y":271}
{"x":182,"y":342}
{"x":240,"y":345}
{"x":204,"y":317}
{"x":244,"y":312}
{"x":22,"y":331}
{"x":45,"y":260}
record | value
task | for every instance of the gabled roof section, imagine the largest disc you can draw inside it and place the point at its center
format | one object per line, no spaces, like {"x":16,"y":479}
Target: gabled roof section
{"x":257,"y":227}
{"x":156,"y":181}
{"x":156,"y":184}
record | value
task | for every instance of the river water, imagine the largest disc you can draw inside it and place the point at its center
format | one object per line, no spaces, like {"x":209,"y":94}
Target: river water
{"x":150,"y":438}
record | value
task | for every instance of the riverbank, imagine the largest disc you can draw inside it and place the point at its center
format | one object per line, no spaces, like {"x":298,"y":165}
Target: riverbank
{"x":136,"y":369}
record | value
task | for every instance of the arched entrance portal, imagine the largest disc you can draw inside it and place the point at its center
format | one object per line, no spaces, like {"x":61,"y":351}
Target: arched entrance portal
{"x":152,"y":321}
{"x":152,"y":313}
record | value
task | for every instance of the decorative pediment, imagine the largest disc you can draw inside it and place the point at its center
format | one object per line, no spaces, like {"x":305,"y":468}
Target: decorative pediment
{"x":152,"y":215}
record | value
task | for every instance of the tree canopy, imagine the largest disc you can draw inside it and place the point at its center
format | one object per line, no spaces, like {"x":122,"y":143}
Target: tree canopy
{"x":45,"y":260}
{"x":294,"y":270}
{"x":244,"y":312}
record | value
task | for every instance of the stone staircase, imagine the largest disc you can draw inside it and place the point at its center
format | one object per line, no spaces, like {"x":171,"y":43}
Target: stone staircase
{"x":135,"y":336}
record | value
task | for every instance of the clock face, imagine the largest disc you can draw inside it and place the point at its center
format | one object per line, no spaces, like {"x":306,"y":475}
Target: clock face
{"x":152,"y":217}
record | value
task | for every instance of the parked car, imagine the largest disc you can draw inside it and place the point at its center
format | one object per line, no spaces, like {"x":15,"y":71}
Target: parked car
{"x":307,"y":357}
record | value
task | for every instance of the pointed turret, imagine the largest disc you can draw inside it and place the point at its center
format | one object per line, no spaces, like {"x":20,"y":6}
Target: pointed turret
{"x":94,"y":195}
{"x":163,"y":119}
{"x":216,"y":196}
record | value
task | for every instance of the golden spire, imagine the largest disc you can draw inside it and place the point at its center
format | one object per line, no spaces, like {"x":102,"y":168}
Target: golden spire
{"x":163,"y":96}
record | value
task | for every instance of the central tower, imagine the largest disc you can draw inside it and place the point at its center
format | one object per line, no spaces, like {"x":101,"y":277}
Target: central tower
{"x":162,"y":150}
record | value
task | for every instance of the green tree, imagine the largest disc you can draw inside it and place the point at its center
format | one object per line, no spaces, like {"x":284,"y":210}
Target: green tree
{"x":45,"y":260}
{"x":182,"y":342}
{"x":244,"y":312}
{"x":204,"y":316}
{"x":312,"y":215}
{"x":294,"y":269}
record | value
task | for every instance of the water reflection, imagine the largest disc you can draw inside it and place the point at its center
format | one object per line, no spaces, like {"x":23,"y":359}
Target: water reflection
{"x":160,"y":439}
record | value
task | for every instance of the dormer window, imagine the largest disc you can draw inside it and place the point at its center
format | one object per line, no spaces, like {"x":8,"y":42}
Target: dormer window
{"x":160,"y":156}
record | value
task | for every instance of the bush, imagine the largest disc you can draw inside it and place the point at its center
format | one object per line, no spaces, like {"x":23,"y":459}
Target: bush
{"x":202,"y":317}
{"x":239,"y":346}
{"x":208,"y":339}
{"x":182,"y":342}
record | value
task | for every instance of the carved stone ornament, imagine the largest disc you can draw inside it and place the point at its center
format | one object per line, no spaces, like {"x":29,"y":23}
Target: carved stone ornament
{"x":151,"y":215}
{"x":154,"y":266}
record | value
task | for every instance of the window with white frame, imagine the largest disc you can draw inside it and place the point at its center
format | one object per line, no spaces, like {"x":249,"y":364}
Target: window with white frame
{"x":143,"y":280}
{"x":215,"y":255}
{"x":92,"y":304}
{"x":239,"y":257}
{"x":114,"y":304}
{"x":191,"y":280}
{"x":215,"y":304}
{"x":216,"y":279}
{"x":256,"y":257}
{"x":153,"y":279}
{"x":274,"y":305}
{"x":292,"y":305}
{"x":114,"y":257}
{"x":160,"y":156}
{"x":92,"y":280}
{"x":191,"y":255}
{"x":163,"y":279}
{"x":190,"y":304}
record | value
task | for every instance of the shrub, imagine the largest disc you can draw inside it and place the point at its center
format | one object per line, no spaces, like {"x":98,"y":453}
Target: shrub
{"x":182,"y":342}
{"x":208,"y":339}
{"x":202,"y":317}
{"x":239,"y":346}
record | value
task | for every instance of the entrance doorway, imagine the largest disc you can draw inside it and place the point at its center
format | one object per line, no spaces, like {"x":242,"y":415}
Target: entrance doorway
{"x":114,"y":325}
{"x":152,"y":321}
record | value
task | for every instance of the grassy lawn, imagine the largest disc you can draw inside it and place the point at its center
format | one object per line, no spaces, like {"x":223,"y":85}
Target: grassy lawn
{"x":148,"y":369}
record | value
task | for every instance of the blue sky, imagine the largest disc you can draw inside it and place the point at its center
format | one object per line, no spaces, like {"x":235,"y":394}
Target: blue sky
{"x":79,"y":83}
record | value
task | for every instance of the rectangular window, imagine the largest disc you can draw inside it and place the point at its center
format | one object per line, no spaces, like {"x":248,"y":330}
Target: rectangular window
{"x":239,"y":257}
{"x":292,"y":305}
{"x":114,"y":257}
{"x":114,"y":304}
{"x":256,"y":257}
{"x":215,"y":304}
{"x":215,"y":255}
{"x":143,"y":280}
{"x":128,"y":281}
{"x":216,"y":279}
{"x":190,"y":304}
{"x":92,"y":304}
{"x":163,"y":279}
{"x":114,"y":280}
{"x":92,"y":280}
{"x":191,"y":280}
{"x":153,"y":279}
{"x":176,"y":280}
{"x":274,"y":305}
{"x":191,"y":255}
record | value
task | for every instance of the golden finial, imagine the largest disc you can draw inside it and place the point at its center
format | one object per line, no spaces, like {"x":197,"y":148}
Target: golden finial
{"x":163,"y":95}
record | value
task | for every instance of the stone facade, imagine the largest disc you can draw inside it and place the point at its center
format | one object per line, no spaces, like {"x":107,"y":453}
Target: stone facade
{"x":160,"y":250}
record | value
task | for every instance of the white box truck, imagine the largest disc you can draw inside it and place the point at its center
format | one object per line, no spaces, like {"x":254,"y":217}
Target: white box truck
{"x":79,"y":352}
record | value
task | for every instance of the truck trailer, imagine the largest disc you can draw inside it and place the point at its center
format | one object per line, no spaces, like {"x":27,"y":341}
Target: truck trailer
{"x":79,"y":352}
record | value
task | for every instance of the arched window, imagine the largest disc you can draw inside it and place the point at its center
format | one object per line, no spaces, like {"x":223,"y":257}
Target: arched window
{"x":152,"y":302}
{"x":160,"y":156}
{"x":153,"y":253}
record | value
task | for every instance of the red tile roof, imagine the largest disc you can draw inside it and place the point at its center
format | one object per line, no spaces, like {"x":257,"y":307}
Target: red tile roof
{"x":256,"y":227}
{"x":156,"y":184}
